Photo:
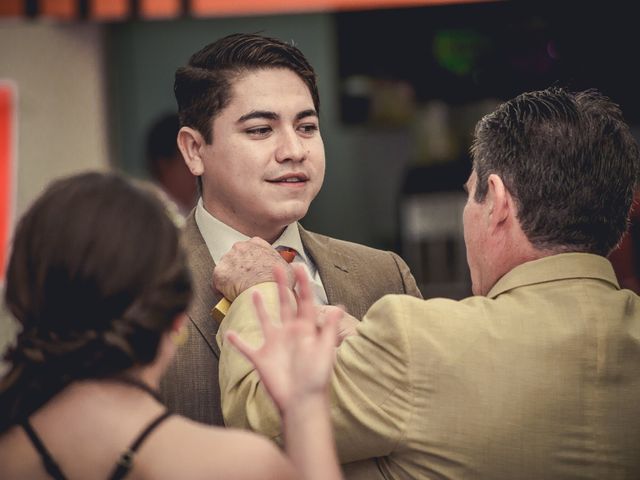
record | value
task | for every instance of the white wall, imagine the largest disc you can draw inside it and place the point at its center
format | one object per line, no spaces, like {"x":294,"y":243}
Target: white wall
{"x":59,"y":73}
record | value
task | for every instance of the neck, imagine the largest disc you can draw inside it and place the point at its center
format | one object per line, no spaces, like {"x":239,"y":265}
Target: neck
{"x":152,"y":373}
{"x":268,"y":232}
{"x":148,"y":374}
{"x":512,"y":252}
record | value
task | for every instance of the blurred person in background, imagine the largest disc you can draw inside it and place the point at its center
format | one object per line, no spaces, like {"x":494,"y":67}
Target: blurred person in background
{"x":626,"y":258}
{"x":99,"y":284}
{"x":165,"y":163}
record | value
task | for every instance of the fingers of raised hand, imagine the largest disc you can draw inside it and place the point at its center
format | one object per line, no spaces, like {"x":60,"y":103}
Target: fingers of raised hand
{"x":263,"y":317}
{"x":243,"y":347}
{"x":284,"y":295}
{"x":329,"y":330}
{"x":306,"y":308}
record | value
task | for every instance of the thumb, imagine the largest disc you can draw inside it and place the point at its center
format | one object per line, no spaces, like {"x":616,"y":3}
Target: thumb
{"x":260,"y":241}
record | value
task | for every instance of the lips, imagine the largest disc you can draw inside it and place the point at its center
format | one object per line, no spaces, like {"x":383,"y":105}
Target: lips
{"x":290,"y":178}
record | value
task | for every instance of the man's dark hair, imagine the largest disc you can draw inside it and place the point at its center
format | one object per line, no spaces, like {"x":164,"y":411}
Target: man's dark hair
{"x":203,"y":87}
{"x":96,"y":277}
{"x":161,"y":144}
{"x":570,"y":162}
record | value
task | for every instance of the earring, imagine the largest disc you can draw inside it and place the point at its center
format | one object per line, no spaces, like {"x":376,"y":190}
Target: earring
{"x":179,"y":338}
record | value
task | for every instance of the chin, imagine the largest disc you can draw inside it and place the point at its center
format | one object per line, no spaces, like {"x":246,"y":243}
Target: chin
{"x":291,"y":213}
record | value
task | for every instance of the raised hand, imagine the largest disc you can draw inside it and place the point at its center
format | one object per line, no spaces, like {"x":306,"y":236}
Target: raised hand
{"x":296,"y":359}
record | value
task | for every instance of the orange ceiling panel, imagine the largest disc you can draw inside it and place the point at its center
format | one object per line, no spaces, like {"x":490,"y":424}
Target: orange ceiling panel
{"x":11,"y":8}
{"x":160,"y":8}
{"x":61,"y":9}
{"x":110,"y":9}
{"x":230,"y":7}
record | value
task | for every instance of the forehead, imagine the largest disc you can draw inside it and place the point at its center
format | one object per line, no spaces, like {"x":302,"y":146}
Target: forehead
{"x":270,"y":89}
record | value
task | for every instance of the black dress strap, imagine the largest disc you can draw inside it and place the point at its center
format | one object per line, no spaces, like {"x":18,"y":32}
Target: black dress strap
{"x":126,"y":459}
{"x":50,"y":464}
{"x":125,"y":462}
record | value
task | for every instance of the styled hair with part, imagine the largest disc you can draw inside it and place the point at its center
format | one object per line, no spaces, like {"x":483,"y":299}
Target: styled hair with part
{"x":570,"y":162}
{"x":203,"y":87}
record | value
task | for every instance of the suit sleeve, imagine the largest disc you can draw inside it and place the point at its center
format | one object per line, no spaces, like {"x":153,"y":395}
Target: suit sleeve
{"x":409,"y":283}
{"x":371,"y":387}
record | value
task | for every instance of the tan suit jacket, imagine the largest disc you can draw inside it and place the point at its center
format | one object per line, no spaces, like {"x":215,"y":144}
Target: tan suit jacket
{"x":540,"y":379}
{"x":353,"y":275}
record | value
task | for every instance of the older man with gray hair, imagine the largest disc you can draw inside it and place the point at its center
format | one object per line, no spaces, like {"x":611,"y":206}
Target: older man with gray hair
{"x":538,"y":374}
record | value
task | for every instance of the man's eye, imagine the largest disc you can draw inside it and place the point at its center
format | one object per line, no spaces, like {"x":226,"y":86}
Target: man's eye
{"x":259,"y":131}
{"x":308,"y":128}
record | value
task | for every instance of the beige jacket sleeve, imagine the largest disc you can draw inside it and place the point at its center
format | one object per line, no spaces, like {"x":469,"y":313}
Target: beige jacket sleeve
{"x":371,"y":387}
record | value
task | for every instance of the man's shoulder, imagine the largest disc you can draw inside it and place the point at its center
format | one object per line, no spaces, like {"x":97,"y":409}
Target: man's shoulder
{"x":349,"y":266}
{"x":342,"y":246}
{"x":438,"y":309}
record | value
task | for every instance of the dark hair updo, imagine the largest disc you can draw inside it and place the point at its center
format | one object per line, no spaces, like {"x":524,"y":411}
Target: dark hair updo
{"x":96,"y":276}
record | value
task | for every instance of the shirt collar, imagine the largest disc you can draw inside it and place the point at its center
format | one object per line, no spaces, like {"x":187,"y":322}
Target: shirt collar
{"x":556,"y":267}
{"x":220,"y":237}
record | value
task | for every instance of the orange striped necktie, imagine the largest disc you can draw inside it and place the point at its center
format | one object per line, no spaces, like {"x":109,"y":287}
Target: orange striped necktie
{"x":287,"y":253}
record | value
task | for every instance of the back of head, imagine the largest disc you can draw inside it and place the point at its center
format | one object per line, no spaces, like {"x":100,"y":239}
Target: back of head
{"x":96,"y":276}
{"x":161,"y":143}
{"x":203,"y":87}
{"x":569,"y":161}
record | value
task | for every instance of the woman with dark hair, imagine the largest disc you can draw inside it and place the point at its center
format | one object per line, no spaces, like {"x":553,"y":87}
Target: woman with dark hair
{"x":98,"y":281}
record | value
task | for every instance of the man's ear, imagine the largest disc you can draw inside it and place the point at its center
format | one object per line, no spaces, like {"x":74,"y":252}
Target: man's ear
{"x":499,"y":201}
{"x":191,"y":144}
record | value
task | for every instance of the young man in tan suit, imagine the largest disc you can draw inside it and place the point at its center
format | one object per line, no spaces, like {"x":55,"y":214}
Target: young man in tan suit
{"x":538,"y":375}
{"x":249,"y":111}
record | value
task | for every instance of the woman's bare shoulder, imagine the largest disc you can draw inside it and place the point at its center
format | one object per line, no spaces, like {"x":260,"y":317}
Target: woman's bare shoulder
{"x":193,"y":450}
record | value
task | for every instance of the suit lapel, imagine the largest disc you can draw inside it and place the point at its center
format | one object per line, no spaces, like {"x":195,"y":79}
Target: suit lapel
{"x":204,"y":295}
{"x":338,"y":272}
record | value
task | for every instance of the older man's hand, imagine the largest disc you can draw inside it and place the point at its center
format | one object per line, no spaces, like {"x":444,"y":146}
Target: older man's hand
{"x":247,"y":264}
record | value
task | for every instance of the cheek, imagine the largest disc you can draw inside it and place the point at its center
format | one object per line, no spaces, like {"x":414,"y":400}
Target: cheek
{"x":320,"y":173}
{"x":465,"y":224}
{"x":316,"y":155}
{"x":315,"y":147}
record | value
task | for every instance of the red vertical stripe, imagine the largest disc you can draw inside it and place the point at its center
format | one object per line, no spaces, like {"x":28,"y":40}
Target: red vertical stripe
{"x":7,"y":119}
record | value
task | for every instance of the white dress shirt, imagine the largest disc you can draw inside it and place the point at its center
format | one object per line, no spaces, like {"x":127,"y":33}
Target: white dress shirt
{"x":220,"y":237}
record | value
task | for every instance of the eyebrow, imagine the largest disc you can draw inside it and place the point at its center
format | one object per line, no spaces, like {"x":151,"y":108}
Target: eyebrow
{"x":258,"y":114}
{"x":306,"y":113}
{"x":268,"y":115}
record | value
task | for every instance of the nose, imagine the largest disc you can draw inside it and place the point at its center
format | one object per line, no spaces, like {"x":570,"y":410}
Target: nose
{"x":291,"y":147}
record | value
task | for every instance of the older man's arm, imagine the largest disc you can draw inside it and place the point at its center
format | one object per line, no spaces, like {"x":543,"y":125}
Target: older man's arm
{"x":371,"y":388}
